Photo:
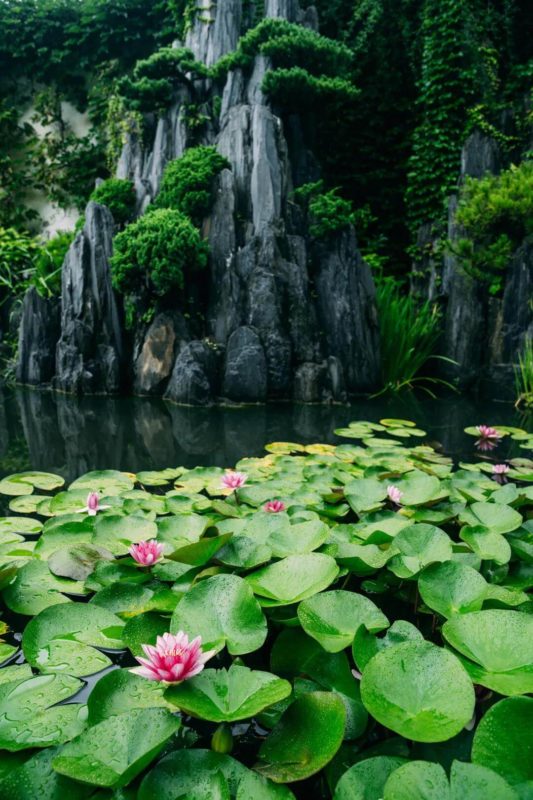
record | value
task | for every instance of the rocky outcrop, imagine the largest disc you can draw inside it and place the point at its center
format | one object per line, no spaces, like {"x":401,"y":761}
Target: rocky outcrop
{"x":483,"y":334}
{"x":89,"y":356}
{"x":282,"y":315}
{"x":38,"y":334}
{"x":154,"y":362}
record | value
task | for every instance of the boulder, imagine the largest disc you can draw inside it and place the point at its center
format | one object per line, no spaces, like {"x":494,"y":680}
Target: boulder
{"x":155,"y":360}
{"x":245,"y":372}
{"x":194,"y":379}
{"x":38,"y":335}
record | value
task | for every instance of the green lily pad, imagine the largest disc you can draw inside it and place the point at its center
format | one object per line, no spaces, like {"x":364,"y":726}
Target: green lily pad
{"x":119,"y":691}
{"x":20,"y":525}
{"x":105,"y":481}
{"x":143,"y":629}
{"x":419,"y":545}
{"x":500,"y":642}
{"x":36,"y":588}
{"x":366,"y":780}
{"x":422,"y":780}
{"x":366,"y":644}
{"x":503,"y":739}
{"x":305,"y":739}
{"x":114,"y":751}
{"x":333,"y":618}
{"x":78,"y":561}
{"x":452,"y":588}
{"x":223,"y":611}
{"x":487,"y":544}
{"x":496,"y":517}
{"x":407,"y":689}
{"x":221,"y":695}
{"x":35,"y":778}
{"x":22,"y":483}
{"x":29,"y":716}
{"x":293,"y":578}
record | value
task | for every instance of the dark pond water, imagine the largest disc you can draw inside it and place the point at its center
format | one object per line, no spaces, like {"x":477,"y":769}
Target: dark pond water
{"x":70,"y":435}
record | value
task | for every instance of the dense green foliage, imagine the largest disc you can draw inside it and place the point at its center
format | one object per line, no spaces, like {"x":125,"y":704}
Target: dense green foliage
{"x":26,"y":261}
{"x":367,"y":636}
{"x":46,"y":276}
{"x":524,"y":377}
{"x":328,"y":212}
{"x":155,"y":254}
{"x":496,"y":213}
{"x":119,"y":196}
{"x":188,"y":181}
{"x":409,"y":331}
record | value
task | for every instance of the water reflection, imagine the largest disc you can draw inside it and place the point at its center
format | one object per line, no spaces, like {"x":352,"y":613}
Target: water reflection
{"x":70,"y":435}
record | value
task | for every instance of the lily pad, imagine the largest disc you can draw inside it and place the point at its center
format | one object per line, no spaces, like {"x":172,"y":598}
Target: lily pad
{"x":119,"y":691}
{"x":407,"y":689}
{"x":366,"y":780}
{"x":293,"y":578}
{"x":36,"y":588}
{"x":223,"y":611}
{"x":305,"y":739}
{"x":116,"y":750}
{"x":452,"y":588}
{"x":333,"y":618}
{"x":221,"y":695}
{"x":500,"y":642}
{"x":503,"y":739}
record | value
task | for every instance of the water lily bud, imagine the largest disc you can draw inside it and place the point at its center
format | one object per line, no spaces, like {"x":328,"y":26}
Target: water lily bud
{"x":222,"y":741}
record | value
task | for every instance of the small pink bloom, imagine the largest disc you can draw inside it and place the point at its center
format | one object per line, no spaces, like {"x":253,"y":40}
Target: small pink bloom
{"x":275,"y":506}
{"x":233,"y":480}
{"x":500,"y":469}
{"x":173,"y":658}
{"x":394,"y":494}
{"x":487,"y":432}
{"x":147,"y":553}
{"x":93,"y":505}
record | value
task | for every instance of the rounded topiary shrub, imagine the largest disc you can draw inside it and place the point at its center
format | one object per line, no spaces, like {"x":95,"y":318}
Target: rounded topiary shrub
{"x":119,"y":197}
{"x":154,"y":254}
{"x":188,"y":182}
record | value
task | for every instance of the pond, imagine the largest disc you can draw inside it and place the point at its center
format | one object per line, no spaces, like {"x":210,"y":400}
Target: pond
{"x":70,"y":435}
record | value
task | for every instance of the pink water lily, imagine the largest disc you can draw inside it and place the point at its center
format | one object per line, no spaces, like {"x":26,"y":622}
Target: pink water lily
{"x":500,"y":471}
{"x":173,"y":658}
{"x":394,"y":494}
{"x":486,"y":445}
{"x":233,"y":480}
{"x":147,"y":553}
{"x":275,"y":506}
{"x":93,"y":505}
{"x":487,"y":432}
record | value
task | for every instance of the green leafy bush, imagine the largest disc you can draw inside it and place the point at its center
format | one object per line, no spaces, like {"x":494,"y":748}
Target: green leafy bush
{"x":156,"y":78}
{"x":361,"y":617}
{"x":524,"y":377}
{"x":187,"y":183}
{"x":47,"y":264}
{"x":329,"y":213}
{"x":17,"y":254}
{"x":155,"y":253}
{"x":119,"y":196}
{"x":496,"y":213}
{"x":409,"y":331}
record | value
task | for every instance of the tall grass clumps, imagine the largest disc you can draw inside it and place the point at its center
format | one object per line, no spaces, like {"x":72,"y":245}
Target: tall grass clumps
{"x":409,"y":331}
{"x":327,"y":621}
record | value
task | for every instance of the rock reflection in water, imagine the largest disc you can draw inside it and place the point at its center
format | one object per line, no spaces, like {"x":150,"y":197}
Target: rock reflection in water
{"x":71,"y":435}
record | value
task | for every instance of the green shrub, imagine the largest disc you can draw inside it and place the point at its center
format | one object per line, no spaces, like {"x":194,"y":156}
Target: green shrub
{"x":17,"y":254}
{"x":329,"y":213}
{"x":155,"y":79}
{"x":409,"y":331}
{"x":153,"y":254}
{"x":47,"y":264}
{"x":187,"y":183}
{"x":496,"y":213}
{"x":524,"y":377}
{"x":119,"y":196}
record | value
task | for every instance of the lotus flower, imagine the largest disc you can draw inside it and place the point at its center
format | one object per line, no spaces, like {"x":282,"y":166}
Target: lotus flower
{"x":93,"y":505}
{"x":274,"y":506}
{"x":486,"y":444}
{"x":233,"y":480}
{"x":147,"y":553}
{"x":173,"y":659}
{"x":394,"y":494}
{"x":499,"y":471}
{"x":486,"y":432}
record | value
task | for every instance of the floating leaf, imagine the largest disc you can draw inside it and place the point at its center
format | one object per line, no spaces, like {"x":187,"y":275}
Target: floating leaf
{"x":223,"y":611}
{"x":333,"y":618}
{"x":305,"y":739}
{"x":452,"y":588}
{"x":407,"y":689}
{"x":366,"y":645}
{"x":366,"y":780}
{"x":119,"y":691}
{"x":503,"y":739}
{"x":35,"y":588}
{"x":221,"y":695}
{"x":116,"y":750}
{"x":293,"y":578}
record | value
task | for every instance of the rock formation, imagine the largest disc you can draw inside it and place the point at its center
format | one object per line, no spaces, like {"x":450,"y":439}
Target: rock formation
{"x":286,"y":316}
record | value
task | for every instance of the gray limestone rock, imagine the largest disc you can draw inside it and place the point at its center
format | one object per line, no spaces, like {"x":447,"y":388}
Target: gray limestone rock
{"x":89,"y":353}
{"x":194,"y":379}
{"x":245,"y":372}
{"x":38,"y":335}
{"x":155,"y":360}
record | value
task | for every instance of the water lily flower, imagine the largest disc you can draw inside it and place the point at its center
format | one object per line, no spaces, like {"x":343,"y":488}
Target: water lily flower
{"x":275,"y":506}
{"x":147,"y":553}
{"x":487,"y":432}
{"x":173,"y":658}
{"x":233,"y":480}
{"x":499,"y":471}
{"x":93,"y":505}
{"x":486,"y":444}
{"x":394,"y":494}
